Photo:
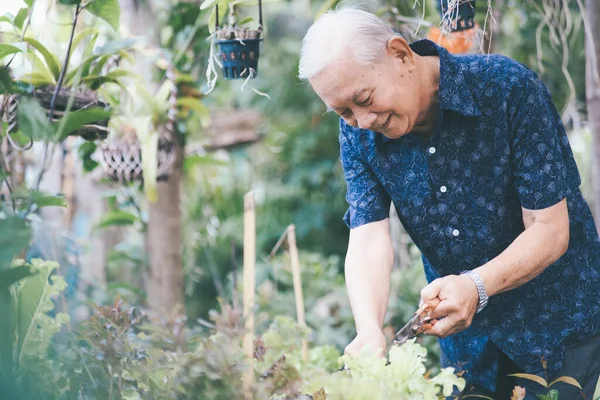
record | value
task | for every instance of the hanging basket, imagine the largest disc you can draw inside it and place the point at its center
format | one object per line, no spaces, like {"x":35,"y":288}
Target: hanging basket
{"x":457,"y":15}
{"x":81,"y":100}
{"x":239,"y":48}
{"x":122,"y":161}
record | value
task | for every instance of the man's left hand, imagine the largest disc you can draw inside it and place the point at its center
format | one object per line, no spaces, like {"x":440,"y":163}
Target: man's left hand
{"x":458,"y":304}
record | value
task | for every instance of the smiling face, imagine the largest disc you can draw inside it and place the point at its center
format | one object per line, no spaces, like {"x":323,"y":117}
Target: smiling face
{"x":385,"y":97}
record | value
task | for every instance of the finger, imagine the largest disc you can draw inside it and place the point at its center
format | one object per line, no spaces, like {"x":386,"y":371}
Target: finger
{"x":442,"y":328}
{"x":431,"y":291}
{"x":443,"y":309}
{"x":351,"y":349}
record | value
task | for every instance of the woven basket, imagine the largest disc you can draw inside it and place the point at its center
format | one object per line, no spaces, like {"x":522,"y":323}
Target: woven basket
{"x":122,"y":162}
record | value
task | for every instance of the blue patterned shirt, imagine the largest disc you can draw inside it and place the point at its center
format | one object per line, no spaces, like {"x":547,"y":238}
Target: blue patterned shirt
{"x":499,"y":145}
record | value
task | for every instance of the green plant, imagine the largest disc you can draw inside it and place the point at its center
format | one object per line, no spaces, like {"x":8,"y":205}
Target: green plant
{"x":26,"y":332}
{"x":553,"y":394}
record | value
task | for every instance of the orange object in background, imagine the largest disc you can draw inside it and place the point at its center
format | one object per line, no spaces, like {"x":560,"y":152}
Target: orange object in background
{"x":455,"y":42}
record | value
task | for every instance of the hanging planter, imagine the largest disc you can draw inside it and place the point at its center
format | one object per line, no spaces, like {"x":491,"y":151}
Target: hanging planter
{"x":82,"y":100}
{"x":239,"y":47}
{"x":457,"y":15}
{"x":122,"y":161}
{"x":121,"y":158}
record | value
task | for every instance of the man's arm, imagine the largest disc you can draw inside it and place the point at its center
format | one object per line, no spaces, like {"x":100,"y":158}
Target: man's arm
{"x":544,"y":240}
{"x":368,"y":269}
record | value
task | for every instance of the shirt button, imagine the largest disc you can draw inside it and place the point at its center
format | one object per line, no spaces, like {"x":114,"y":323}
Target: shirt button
{"x":431,"y":150}
{"x":443,"y":189}
{"x":456,"y":232}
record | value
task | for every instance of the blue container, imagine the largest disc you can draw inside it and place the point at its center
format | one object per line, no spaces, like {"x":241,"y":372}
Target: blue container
{"x":239,"y":58}
{"x":463,"y":19}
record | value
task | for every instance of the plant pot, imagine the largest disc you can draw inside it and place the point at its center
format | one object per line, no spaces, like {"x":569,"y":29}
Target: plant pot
{"x":239,"y":57}
{"x":122,"y":162}
{"x":81,"y":100}
{"x":457,"y":20}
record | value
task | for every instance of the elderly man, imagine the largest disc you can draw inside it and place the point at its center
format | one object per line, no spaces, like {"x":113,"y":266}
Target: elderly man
{"x":474,"y":156}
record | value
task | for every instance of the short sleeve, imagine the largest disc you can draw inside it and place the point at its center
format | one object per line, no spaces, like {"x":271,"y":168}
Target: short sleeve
{"x":367,"y":199}
{"x":544,"y":169}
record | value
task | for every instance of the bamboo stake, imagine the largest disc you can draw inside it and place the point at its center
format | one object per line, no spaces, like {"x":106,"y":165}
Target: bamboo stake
{"x":249,"y":288}
{"x":291,"y":236}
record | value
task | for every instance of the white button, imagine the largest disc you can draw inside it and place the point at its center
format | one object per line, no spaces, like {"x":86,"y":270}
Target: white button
{"x":443,"y":189}
{"x":432,"y":150}
{"x":456,"y":232}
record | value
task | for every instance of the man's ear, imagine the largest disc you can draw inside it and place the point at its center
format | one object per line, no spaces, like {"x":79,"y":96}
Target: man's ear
{"x":398,"y":48}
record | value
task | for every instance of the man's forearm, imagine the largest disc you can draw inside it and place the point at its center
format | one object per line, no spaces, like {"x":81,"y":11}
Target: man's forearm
{"x":532,"y":251}
{"x":368,"y":283}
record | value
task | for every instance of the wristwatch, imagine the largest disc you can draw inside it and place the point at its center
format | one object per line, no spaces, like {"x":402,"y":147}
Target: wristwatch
{"x":483,"y":296}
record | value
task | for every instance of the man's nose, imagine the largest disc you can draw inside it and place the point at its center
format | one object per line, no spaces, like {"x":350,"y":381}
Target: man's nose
{"x":365,"y":119}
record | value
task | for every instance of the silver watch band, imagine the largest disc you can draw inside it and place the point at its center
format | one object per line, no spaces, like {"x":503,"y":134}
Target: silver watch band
{"x":483,"y":296}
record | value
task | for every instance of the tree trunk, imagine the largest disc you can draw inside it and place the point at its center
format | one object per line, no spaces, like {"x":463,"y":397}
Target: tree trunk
{"x":164,"y":285}
{"x":593,"y":95}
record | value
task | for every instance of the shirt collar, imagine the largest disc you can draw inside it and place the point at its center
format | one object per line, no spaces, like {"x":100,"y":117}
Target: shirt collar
{"x":454,"y":90}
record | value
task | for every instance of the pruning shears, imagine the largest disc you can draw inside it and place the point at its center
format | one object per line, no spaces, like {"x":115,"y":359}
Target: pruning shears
{"x":419,"y":323}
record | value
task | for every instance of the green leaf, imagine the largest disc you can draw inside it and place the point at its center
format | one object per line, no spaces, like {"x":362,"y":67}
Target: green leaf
{"x":8,"y":332}
{"x":51,"y":61}
{"x":208,"y":4}
{"x":40,"y":70}
{"x":6,"y":81}
{"x":13,"y":275}
{"x":553,"y":394}
{"x":30,"y":298}
{"x":117,"y":218}
{"x":8,"y":49}
{"x":223,"y":7}
{"x":196,"y":159}
{"x":8,"y":17}
{"x":84,"y":34}
{"x":86,"y":150}
{"x":29,"y":3}
{"x":95,"y":81}
{"x":15,"y":236}
{"x":196,"y":105}
{"x":33,"y":120}
{"x":567,"y":379}
{"x":36,"y":79}
{"x":597,"y":391}
{"x":75,"y":120}
{"x":47,"y":200}
{"x":108,"y":10}
{"x":531,"y":377}
{"x":114,"y":46}
{"x":69,"y":2}
{"x":246,"y":20}
{"x":20,"y":18}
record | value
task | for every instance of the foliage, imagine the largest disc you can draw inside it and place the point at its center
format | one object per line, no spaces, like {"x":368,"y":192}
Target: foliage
{"x":401,"y":377}
{"x":124,"y":353}
{"x":26,"y":331}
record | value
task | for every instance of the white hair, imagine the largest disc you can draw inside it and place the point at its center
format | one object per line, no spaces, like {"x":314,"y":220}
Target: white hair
{"x":347,"y":29}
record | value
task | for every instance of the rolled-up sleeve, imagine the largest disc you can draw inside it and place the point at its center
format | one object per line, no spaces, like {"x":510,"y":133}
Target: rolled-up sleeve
{"x":367,"y":199}
{"x":544,"y":169}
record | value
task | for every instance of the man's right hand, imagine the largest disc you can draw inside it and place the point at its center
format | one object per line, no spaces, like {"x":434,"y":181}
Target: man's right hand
{"x":373,"y":338}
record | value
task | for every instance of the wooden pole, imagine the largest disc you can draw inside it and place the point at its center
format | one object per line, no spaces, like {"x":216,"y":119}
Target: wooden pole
{"x":249,"y":288}
{"x":291,"y":236}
